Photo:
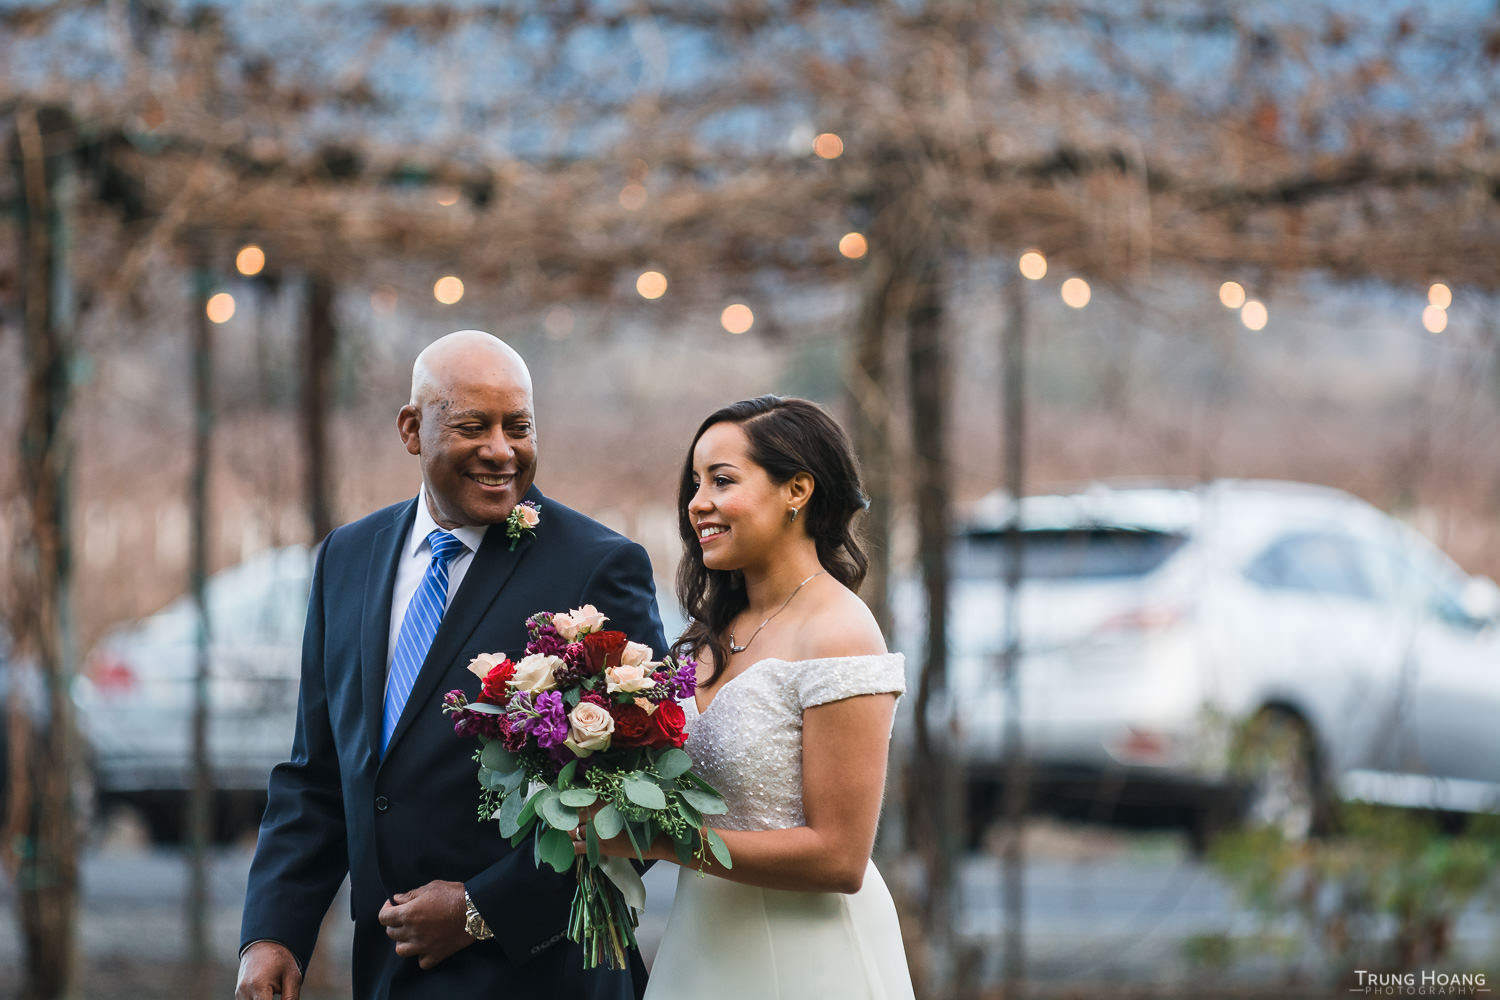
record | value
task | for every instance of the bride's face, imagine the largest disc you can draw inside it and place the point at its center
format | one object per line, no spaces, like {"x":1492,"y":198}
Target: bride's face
{"x":740,"y":515}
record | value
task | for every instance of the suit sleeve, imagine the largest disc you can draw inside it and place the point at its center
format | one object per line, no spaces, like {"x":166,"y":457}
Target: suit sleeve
{"x":301,"y":854}
{"x":622,"y":587}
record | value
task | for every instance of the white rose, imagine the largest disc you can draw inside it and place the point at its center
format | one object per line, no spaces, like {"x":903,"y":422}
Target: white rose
{"x":628,"y":678}
{"x":534,"y":673}
{"x":588,"y":618}
{"x":590,"y":728}
{"x":482,"y":664}
{"x":635,"y":654}
{"x":565,"y":625}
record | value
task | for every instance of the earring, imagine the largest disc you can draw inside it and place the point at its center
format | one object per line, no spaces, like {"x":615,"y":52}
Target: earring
{"x":793,"y":517}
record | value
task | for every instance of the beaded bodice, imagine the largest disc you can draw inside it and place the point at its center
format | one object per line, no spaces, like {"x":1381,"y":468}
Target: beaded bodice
{"x":748,"y":742}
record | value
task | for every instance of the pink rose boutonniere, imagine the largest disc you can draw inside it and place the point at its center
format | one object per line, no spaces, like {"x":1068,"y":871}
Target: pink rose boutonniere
{"x":522,"y":521}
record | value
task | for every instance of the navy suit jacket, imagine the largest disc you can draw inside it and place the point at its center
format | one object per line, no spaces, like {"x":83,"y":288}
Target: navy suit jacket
{"x":396,"y":823}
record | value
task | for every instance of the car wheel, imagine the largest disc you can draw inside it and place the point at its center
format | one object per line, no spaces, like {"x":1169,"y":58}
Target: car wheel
{"x":1276,"y":767}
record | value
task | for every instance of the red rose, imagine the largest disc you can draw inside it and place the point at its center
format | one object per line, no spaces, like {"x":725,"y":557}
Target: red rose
{"x":631,"y":724}
{"x":603,"y":649}
{"x":666,"y":725}
{"x":495,"y":691}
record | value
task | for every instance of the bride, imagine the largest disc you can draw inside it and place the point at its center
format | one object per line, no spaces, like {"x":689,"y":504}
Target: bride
{"x":791,"y":723}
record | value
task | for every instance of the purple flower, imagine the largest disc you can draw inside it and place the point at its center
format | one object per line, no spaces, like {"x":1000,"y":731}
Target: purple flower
{"x":550,"y":723}
{"x":684,"y":680}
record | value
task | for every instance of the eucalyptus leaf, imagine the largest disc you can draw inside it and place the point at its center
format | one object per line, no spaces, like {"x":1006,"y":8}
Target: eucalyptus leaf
{"x":579,"y":797}
{"x":673,"y":762}
{"x":495,"y":757}
{"x":708,"y":803}
{"x":565,"y":776}
{"x":571,"y":696}
{"x":528,"y":811}
{"x":557,"y":815}
{"x":593,"y":846}
{"x":484,"y":708}
{"x":684,"y":852}
{"x":719,"y":849}
{"x":513,"y":781}
{"x":557,"y":850}
{"x":510,"y":815}
{"x":644,"y":792}
{"x":687,"y":812}
{"x":608,"y":822}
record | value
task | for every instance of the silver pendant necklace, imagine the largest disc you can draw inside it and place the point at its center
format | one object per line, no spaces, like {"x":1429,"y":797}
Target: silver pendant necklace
{"x":740,"y":649}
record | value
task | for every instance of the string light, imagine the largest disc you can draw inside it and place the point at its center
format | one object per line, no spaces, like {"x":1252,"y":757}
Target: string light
{"x":1254,"y":315}
{"x":1076,"y":292}
{"x":1440,"y":296}
{"x":447,"y":197}
{"x":632,"y":197}
{"x":220,"y":308}
{"x":651,"y":284}
{"x":828,"y":145}
{"x":1434,"y":319}
{"x":1033,"y":265}
{"x":737,"y":318}
{"x":1232,"y":294}
{"x":250,"y":260}
{"x":448,"y":289}
{"x":853,"y":245}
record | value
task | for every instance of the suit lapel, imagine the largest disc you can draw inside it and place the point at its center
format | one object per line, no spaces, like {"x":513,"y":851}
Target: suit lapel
{"x":375,"y":624}
{"x":492,"y":566}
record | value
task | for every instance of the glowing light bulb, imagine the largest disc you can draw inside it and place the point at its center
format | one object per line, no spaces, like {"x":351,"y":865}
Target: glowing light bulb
{"x":1254,"y":315}
{"x":1440,"y":295}
{"x":1435,"y":320}
{"x":737,"y":318}
{"x":1033,"y":265}
{"x":1232,"y":294}
{"x":250,"y":261}
{"x":651,"y":284}
{"x":447,"y":197}
{"x":828,"y":145}
{"x":1076,"y":292}
{"x":854,"y":245}
{"x":220,"y":308}
{"x":448,"y":289}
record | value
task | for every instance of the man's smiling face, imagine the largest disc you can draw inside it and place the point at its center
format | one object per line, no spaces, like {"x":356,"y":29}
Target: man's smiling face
{"x":472,"y":426}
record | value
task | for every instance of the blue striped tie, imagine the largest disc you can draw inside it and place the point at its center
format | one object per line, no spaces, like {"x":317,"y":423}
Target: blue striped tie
{"x":417,"y":629}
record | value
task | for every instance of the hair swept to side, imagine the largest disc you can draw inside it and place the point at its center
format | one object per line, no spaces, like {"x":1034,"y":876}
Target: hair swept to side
{"x":787,"y":436}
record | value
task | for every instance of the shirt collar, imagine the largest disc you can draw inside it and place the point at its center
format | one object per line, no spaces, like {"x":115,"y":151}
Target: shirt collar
{"x":470,"y":534}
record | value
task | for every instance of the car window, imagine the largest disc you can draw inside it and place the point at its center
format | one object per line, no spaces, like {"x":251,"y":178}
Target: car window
{"x":1078,"y":553}
{"x":1312,"y":563}
{"x":1409,"y":583}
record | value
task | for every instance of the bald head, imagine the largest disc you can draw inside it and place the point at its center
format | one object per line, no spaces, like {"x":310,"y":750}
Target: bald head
{"x":467,"y":354}
{"x":470,"y":423}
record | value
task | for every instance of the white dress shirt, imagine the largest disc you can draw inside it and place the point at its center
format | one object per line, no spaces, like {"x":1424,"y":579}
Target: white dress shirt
{"x":416,"y":555}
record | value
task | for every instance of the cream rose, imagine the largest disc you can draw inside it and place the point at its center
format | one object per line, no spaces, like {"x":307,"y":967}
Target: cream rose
{"x":534,"y":673}
{"x":529,"y":516}
{"x":628,"y":678}
{"x":482,"y":664}
{"x":590,"y":728}
{"x":635,"y":654}
{"x":565,"y":625}
{"x":588,"y":618}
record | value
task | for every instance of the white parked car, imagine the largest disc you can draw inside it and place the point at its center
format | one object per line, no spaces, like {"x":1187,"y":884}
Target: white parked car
{"x":135,"y":695}
{"x":1235,"y":649}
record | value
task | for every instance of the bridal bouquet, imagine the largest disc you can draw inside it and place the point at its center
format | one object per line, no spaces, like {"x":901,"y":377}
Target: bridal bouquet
{"x":582,"y":739}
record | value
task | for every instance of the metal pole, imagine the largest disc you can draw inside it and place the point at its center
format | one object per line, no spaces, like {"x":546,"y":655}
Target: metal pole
{"x":200,"y":803}
{"x":1014,"y":438}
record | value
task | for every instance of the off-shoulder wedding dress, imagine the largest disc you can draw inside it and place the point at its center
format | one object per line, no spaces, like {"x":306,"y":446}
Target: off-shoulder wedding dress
{"x":738,"y":942}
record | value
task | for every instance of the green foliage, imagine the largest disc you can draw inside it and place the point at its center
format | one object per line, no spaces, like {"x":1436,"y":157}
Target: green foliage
{"x":1383,"y":892}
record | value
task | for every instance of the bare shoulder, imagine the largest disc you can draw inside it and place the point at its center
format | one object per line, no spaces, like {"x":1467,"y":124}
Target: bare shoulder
{"x":840,"y":624}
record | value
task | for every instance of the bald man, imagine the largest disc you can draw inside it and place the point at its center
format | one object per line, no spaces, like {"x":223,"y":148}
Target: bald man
{"x":378,"y":787}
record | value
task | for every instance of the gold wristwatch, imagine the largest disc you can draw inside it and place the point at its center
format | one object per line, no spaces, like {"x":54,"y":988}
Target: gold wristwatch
{"x":474,"y":922}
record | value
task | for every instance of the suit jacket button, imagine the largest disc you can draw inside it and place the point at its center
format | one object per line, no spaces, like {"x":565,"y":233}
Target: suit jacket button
{"x":382,"y":803}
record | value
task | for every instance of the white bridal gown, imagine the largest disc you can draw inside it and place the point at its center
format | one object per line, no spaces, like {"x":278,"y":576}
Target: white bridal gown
{"x":737,"y":942}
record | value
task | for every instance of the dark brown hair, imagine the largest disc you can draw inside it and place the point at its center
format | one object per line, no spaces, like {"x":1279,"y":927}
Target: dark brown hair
{"x":787,"y":436}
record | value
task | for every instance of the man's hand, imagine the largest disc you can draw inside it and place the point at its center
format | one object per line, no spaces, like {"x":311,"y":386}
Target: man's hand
{"x":267,"y":969}
{"x":427,"y":923}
